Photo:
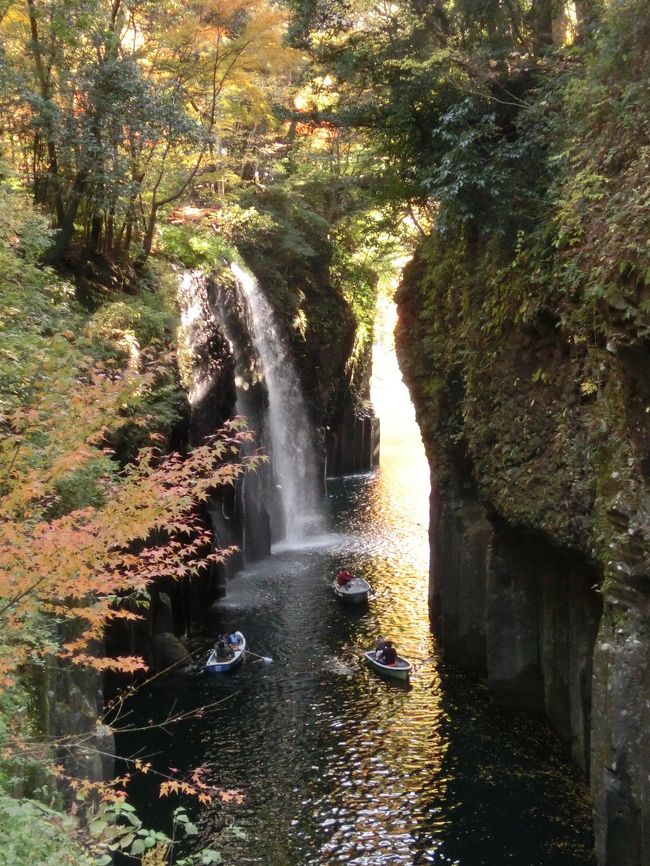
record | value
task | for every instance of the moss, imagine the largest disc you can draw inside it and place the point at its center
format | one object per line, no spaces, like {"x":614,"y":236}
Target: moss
{"x":538,"y":410}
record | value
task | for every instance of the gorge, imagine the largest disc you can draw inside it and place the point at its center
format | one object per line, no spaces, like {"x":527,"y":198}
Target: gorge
{"x":205,"y":210}
{"x":336,"y":764}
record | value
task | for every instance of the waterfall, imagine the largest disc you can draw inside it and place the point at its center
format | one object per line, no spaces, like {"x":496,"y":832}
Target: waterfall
{"x":287,"y":434}
{"x":195,"y":315}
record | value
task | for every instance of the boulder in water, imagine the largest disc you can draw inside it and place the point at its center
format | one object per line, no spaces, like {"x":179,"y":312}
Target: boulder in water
{"x":168,"y":651}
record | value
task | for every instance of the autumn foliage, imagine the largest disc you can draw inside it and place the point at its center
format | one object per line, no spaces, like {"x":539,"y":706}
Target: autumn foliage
{"x":87,"y":521}
{"x":94,"y":564}
{"x":114,"y":111}
{"x":82,"y":536}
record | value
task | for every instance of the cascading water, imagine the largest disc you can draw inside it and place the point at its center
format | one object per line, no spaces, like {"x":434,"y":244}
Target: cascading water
{"x":194,"y":312}
{"x":208,"y":369}
{"x":288,"y":438}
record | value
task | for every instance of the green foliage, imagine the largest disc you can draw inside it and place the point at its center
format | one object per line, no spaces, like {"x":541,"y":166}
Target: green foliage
{"x":45,"y":334}
{"x":484,"y":181}
{"x":290,"y":241}
{"x":20,"y":774}
{"x":115,"y":827}
{"x":353,"y":271}
{"x":85,"y":487}
{"x":363,"y":263}
{"x":140,"y":332}
{"x":156,"y":412}
{"x":132,"y":324}
{"x":196,"y":246}
{"x":34,"y":303}
{"x":601,"y":189}
{"x":30,"y":833}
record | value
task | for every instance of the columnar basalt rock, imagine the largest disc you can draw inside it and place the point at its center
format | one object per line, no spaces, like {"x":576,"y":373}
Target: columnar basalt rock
{"x":620,"y":740}
{"x":70,"y":710}
{"x":540,"y":541}
{"x":353,"y":444}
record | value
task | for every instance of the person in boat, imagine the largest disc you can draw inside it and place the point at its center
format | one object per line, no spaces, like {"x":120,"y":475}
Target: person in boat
{"x":234,"y":639}
{"x":388,"y":655}
{"x":343,"y":578}
{"x":380,"y":643}
{"x":224,"y":652}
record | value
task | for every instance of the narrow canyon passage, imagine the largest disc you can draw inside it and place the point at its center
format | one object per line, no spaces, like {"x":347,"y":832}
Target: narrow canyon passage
{"x":336,"y":764}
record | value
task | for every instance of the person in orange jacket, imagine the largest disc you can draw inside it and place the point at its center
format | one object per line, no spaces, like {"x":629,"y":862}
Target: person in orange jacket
{"x":343,"y":577}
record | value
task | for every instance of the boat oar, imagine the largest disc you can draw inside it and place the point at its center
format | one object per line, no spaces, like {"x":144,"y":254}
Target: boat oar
{"x":263,"y":658}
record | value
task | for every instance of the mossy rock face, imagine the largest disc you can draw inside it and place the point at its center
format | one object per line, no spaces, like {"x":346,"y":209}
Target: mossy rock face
{"x":538,"y":431}
{"x":528,"y":435}
{"x":551,"y":431}
{"x":535,"y":410}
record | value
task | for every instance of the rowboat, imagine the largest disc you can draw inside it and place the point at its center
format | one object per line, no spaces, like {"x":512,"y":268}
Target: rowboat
{"x":216,"y":665}
{"x":400,"y":670}
{"x":355,"y":590}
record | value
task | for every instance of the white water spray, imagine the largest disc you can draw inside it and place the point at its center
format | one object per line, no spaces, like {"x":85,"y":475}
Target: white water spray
{"x":290,"y":441}
{"x":196,"y":317}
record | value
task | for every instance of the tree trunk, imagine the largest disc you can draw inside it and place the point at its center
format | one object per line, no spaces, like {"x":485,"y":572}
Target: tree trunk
{"x":64,"y":235}
{"x":542,"y":11}
{"x":109,"y":238}
{"x":151,"y":227}
{"x":53,"y":168}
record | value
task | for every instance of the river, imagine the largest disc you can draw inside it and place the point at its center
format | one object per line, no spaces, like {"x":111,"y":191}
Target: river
{"x":335,"y":764}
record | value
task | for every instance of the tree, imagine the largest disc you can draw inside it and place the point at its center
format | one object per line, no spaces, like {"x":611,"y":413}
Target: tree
{"x":111,"y":109}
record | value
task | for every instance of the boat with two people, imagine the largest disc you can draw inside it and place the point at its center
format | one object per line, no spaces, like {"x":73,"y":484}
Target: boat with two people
{"x":384,"y":659}
{"x":350,"y":587}
{"x":227,"y":653}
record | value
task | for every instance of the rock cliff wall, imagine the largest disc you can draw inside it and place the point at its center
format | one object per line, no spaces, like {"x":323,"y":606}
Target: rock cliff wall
{"x":334,"y":364}
{"x":538,"y":445}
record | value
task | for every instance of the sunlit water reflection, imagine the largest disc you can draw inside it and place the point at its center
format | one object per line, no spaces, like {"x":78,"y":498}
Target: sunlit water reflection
{"x":338,"y":765}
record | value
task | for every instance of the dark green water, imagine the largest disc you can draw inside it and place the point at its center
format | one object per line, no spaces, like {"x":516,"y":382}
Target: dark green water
{"x":336,"y":764}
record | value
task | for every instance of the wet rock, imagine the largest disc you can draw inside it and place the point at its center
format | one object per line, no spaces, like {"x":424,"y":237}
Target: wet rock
{"x":71,"y":711}
{"x":458,"y":585}
{"x":168,"y":651}
{"x":621,"y":737}
{"x":353,"y":446}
